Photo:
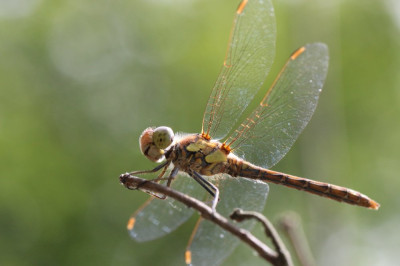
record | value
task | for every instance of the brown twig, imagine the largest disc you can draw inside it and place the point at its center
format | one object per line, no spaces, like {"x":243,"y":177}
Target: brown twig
{"x":136,"y":183}
{"x":283,"y":254}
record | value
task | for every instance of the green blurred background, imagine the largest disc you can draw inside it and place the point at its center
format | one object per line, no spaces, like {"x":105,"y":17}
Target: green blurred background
{"x":80,"y":80}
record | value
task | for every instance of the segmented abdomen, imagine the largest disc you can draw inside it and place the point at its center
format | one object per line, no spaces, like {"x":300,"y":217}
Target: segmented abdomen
{"x":342,"y":194}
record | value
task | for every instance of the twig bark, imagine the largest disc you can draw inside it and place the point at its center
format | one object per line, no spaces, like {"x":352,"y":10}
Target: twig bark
{"x":283,"y":254}
{"x":265,"y":252}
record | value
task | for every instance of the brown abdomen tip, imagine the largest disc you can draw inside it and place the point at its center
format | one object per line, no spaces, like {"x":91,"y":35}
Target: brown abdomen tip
{"x":374,"y":205}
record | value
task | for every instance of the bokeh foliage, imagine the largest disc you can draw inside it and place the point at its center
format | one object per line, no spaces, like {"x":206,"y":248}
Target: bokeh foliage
{"x":80,"y":80}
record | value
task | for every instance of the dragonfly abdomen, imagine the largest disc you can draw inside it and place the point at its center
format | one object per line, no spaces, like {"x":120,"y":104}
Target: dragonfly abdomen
{"x":342,"y":194}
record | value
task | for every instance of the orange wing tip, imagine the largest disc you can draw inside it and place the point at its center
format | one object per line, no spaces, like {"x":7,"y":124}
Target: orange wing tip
{"x":131,"y":223}
{"x":241,"y":6}
{"x":188,"y":257}
{"x":297,"y":52}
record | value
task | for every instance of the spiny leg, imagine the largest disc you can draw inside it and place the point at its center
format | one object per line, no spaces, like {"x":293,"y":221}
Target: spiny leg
{"x":156,"y":169}
{"x":173,"y":174}
{"x":171,"y":177}
{"x":200,"y":181}
{"x":210,"y":187}
{"x":164,"y":165}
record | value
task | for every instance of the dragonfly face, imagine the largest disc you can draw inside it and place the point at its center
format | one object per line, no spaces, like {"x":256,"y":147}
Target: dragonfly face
{"x":153,"y":142}
{"x":240,"y":161}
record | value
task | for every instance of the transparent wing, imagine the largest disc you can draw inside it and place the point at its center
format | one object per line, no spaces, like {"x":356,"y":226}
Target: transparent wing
{"x":157,"y":217}
{"x":211,"y":244}
{"x":269,"y":132}
{"x":248,"y":60}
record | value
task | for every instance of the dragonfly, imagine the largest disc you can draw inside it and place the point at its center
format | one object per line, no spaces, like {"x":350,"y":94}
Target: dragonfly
{"x":228,"y":163}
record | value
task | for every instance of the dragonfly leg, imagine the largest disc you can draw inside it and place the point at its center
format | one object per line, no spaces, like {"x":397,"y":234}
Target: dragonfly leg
{"x":210,"y":187}
{"x":156,"y":169}
{"x":171,"y":177}
{"x":160,"y":177}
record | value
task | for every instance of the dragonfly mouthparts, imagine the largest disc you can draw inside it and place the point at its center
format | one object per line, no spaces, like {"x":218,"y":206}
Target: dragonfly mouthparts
{"x":123,"y":177}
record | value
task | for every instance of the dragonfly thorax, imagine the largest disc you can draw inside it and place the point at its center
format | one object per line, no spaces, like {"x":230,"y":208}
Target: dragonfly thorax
{"x":195,"y":153}
{"x":154,"y":141}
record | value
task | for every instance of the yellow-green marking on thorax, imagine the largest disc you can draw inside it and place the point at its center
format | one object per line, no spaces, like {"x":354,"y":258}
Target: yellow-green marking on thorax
{"x":213,"y":154}
{"x":196,"y":146}
{"x":217,"y":156}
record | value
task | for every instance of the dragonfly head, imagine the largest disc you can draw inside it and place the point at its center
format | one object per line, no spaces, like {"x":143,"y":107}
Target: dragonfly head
{"x":154,"y":141}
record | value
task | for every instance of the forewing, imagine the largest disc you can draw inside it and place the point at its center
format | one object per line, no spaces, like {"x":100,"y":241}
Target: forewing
{"x":157,"y":217}
{"x":248,"y":60}
{"x":270,"y":131}
{"x":211,"y":244}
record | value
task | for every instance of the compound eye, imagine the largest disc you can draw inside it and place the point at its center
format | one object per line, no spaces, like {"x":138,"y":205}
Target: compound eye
{"x":163,"y":137}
